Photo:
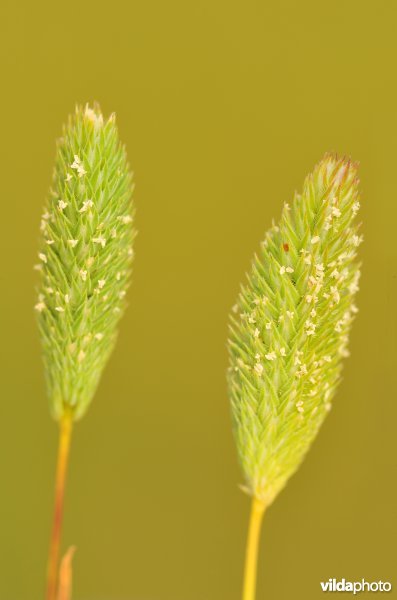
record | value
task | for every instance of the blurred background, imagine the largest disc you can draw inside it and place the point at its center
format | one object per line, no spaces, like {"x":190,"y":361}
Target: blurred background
{"x":224,"y":107}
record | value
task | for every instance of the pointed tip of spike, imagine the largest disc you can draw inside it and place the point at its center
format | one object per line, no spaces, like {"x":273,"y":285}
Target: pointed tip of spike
{"x":333,"y":159}
{"x":93,"y":114}
{"x":336,"y":170}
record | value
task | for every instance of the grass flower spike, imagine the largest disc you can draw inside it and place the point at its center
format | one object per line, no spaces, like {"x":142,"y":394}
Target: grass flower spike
{"x":289,"y":333}
{"x":84,"y":263}
{"x":85,"y":259}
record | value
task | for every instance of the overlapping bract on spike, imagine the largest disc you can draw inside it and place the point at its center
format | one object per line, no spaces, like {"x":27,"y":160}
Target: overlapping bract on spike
{"x":289,"y":329}
{"x":84,"y":259}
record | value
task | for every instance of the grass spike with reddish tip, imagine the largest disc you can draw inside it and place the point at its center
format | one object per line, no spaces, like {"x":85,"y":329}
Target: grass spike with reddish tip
{"x":289,"y":330}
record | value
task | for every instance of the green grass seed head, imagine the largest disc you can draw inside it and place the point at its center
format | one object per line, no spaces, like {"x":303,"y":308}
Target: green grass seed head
{"x":289,"y":329}
{"x":84,"y":259}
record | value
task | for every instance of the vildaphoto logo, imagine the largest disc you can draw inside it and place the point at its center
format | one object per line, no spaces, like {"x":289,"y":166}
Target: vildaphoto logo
{"x":355,"y":587}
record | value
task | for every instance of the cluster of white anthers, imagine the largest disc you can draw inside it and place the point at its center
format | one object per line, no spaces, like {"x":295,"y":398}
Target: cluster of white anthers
{"x":47,"y":218}
{"x":336,"y":272}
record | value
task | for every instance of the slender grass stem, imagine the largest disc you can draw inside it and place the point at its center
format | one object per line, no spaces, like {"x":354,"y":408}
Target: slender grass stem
{"x":251,"y":557}
{"x":65,"y":432}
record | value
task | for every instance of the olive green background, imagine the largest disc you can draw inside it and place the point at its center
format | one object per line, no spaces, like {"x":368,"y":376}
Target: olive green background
{"x":224,"y":107}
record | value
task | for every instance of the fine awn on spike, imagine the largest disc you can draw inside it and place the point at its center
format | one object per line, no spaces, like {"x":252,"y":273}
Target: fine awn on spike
{"x":84,"y":264}
{"x":289,"y":333}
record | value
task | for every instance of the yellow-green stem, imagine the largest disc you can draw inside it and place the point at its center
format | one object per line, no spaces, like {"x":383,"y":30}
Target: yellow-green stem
{"x":65,"y":432}
{"x":251,"y":557}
